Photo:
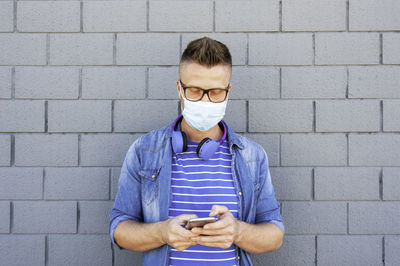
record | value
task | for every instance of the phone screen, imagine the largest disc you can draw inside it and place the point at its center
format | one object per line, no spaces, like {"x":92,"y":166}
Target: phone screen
{"x":199,"y":222}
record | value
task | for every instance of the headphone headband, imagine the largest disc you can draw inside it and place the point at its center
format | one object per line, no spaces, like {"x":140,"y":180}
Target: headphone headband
{"x":180,"y":117}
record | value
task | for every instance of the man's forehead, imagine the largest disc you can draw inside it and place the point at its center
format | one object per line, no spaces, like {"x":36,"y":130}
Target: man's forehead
{"x":195,"y":71}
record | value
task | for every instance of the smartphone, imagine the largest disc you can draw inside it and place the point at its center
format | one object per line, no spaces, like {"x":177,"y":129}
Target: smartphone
{"x":199,"y":222}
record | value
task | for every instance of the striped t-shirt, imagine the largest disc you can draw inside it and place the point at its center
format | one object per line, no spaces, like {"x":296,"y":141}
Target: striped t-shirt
{"x":197,"y":185}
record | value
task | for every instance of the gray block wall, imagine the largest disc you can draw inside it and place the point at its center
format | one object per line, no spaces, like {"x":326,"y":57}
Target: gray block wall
{"x":316,"y":83}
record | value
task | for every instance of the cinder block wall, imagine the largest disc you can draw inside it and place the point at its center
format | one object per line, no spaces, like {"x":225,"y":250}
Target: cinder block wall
{"x":317,"y":83}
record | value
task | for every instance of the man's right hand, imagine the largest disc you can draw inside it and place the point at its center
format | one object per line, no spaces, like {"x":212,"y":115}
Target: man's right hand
{"x":175,"y":234}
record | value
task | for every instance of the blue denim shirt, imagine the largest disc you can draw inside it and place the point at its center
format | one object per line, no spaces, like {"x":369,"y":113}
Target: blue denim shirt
{"x":144,"y":187}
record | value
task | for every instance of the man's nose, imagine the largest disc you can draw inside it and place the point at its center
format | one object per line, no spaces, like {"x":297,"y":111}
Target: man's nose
{"x":205,"y":98}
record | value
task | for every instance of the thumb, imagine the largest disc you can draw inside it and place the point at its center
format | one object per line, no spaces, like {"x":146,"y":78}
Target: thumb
{"x":186,"y":217}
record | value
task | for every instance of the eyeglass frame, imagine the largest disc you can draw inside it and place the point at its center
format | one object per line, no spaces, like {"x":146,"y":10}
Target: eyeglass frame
{"x":205,"y":91}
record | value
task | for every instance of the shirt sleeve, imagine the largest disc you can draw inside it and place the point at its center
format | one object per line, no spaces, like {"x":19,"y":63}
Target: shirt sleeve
{"x":127,"y":205}
{"x":268,"y":208}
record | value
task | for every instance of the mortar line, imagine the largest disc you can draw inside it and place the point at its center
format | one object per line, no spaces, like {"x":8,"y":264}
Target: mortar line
{"x":313,"y":45}
{"x":11,"y":216}
{"x":247,"y":50}
{"x":247,"y":115}
{"x":314,"y":125}
{"x":15,"y":16}
{"x":112,"y":115}
{"x":380,"y":48}
{"x":79,"y":150}
{"x":347,"y":15}
{"x":280,"y":82}
{"x":280,"y":15}
{"x":214,"y":16}
{"x":12,"y":150}
{"x":46,"y":250}
{"x":381,"y":115}
{"x":112,"y":254}
{"x":347,"y":82}
{"x":81,"y":16}
{"x":280,"y":150}
{"x":348,"y":150}
{"x":43,"y":180}
{"x":78,"y":213}
{"x":13,"y":82}
{"x":147,"y":15}
{"x":80,"y":83}
{"x":115,"y":49}
{"x":383,"y":250}
{"x":46,"y":116}
{"x":313,"y":184}
{"x":47,"y":49}
{"x":381,"y":184}
{"x":347,"y":218}
{"x":316,"y":250}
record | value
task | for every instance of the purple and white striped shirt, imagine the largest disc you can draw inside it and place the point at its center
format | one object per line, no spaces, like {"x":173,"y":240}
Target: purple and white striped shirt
{"x":196,"y":186}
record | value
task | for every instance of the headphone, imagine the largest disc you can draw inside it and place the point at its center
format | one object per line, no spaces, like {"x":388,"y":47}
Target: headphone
{"x":206,"y":148}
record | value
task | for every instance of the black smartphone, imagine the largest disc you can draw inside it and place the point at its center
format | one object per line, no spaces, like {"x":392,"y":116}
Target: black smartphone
{"x":199,"y":222}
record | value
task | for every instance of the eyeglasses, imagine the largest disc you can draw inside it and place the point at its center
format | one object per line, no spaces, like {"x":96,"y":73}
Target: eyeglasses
{"x":195,"y":94}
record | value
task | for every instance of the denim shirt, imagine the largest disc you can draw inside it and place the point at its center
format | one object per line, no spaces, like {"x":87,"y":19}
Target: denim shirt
{"x":144,"y":187}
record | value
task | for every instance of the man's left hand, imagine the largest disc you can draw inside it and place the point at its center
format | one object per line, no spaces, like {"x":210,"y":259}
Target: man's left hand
{"x":222,"y":233}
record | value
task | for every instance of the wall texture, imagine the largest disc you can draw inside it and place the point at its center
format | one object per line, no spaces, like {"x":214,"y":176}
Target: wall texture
{"x":317,"y":83}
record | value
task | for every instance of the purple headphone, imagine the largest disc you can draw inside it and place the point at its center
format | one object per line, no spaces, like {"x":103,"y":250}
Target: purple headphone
{"x":206,"y":148}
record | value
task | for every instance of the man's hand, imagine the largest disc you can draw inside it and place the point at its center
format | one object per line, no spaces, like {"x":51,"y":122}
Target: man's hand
{"x":222,"y":233}
{"x":175,"y":235}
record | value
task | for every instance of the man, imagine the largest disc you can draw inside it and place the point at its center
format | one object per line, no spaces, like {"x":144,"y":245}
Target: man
{"x":197,"y":167}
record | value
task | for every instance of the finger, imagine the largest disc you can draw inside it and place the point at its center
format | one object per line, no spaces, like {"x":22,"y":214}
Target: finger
{"x":218,"y":209}
{"x":186,"y":217}
{"x":223,"y":245}
{"x":222,"y":223}
{"x":184,"y":233}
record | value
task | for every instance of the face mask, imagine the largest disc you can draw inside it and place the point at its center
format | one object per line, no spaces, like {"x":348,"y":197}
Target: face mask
{"x":203,"y":115}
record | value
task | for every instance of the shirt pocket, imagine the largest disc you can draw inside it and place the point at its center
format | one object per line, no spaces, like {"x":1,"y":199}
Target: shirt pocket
{"x":150,"y":184}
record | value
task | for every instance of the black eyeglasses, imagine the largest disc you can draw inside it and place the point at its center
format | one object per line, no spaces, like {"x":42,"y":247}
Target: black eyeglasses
{"x":195,"y":94}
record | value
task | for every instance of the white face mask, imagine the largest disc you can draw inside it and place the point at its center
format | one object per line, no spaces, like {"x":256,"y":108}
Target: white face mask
{"x":203,"y":115}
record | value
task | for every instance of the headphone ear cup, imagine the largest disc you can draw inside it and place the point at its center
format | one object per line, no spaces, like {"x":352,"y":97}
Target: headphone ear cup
{"x":206,"y":148}
{"x":184,"y":141}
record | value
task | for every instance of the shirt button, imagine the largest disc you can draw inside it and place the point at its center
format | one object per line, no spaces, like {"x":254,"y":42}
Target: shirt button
{"x":153,"y":176}
{"x":240,"y":193}
{"x":238,"y":257}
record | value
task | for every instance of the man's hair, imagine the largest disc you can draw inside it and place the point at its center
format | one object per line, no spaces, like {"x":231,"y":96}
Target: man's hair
{"x":206,"y":52}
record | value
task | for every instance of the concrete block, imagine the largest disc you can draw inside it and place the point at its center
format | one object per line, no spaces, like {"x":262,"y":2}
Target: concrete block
{"x":134,"y":116}
{"x":6,"y":16}
{"x":5,"y":150}
{"x":114,"y":16}
{"x":248,"y":16}
{"x":21,"y":183}
{"x":314,"y":82}
{"x":270,"y":143}
{"x":127,"y":257}
{"x":181,"y":16}
{"x":81,"y":49}
{"x":236,"y":43}
{"x":14,"y":250}
{"x":5,"y":217}
{"x":147,"y":49}
{"x":44,"y":217}
{"x":374,"y":150}
{"x":295,"y":251}
{"x":333,"y":48}
{"x":349,"y":250}
{"x":254,"y":83}
{"x":391,"y":183}
{"x":391,"y":118}
{"x":113,"y":83}
{"x":47,"y":82}
{"x":314,"y":217}
{"x":79,"y":116}
{"x":23,"y":49}
{"x":390,"y":46}
{"x":115,"y":173}
{"x":292,"y":183}
{"x":79,"y":250}
{"x":374,"y":15}
{"x":313,"y":150}
{"x":392,"y":247}
{"x":105,"y":149}
{"x":22,"y":116}
{"x":5,"y":82}
{"x":94,"y":216}
{"x":353,"y":183}
{"x":46,"y":150}
{"x":374,"y":217}
{"x":235,"y":115}
{"x":347,"y":115}
{"x":76,"y":183}
{"x":162,"y":82}
{"x":48,"y":16}
{"x":280,"y":49}
{"x":374,"y":82}
{"x":280,"y":116}
{"x":312,"y":15}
